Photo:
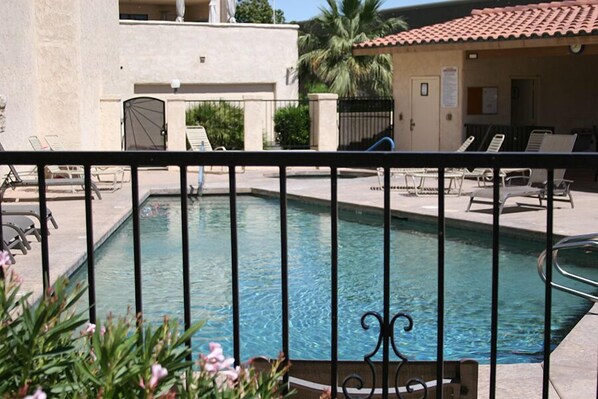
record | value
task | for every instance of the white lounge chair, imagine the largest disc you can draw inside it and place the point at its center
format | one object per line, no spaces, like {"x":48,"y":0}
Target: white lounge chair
{"x":198,"y":140}
{"x":536,"y":181}
{"x":481,"y":174}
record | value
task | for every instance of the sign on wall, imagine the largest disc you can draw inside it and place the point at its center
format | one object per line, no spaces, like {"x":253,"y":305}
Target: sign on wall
{"x":450,"y":87}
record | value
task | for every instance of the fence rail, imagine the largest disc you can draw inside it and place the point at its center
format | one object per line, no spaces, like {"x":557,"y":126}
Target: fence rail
{"x":334,"y":161}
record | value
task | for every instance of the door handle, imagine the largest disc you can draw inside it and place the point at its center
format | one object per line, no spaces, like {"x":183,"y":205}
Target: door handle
{"x":411,"y":124}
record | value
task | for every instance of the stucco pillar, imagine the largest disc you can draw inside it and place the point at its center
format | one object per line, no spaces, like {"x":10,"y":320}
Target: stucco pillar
{"x":2,"y":113}
{"x":175,"y":118}
{"x":254,"y":122}
{"x":324,"y":117}
{"x":110,"y":124}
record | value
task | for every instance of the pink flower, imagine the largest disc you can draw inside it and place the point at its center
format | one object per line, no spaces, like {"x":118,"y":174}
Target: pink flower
{"x":39,"y":394}
{"x":91,"y":328}
{"x":4,"y":258}
{"x":158,"y":372}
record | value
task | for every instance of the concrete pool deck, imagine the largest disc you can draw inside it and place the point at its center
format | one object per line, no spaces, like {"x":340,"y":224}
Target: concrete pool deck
{"x":573,"y":363}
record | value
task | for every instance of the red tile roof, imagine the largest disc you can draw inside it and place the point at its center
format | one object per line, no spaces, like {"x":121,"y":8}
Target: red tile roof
{"x":544,"y":20}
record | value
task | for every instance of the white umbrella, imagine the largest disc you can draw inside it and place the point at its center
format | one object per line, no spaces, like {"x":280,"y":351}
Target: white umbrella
{"x":231,"y":8}
{"x":213,"y":14}
{"x":180,"y":10}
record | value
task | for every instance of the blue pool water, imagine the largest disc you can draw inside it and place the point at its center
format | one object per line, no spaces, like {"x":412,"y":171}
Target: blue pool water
{"x":413,"y":282}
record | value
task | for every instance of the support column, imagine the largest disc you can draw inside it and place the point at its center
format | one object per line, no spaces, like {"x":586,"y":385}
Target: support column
{"x":324,"y":117}
{"x":176,"y":122}
{"x":110,"y":123}
{"x":254,"y":121}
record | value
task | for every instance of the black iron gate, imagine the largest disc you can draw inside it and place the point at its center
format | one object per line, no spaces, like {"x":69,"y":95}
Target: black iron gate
{"x":144,"y":124}
{"x":364,"y":121}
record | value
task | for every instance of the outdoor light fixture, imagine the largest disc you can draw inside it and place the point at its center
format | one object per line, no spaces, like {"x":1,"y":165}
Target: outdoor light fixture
{"x":472,"y":56}
{"x":175,"y":84}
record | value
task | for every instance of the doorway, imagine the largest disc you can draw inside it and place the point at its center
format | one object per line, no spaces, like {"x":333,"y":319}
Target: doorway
{"x":424,"y":124}
{"x":523,"y":102}
{"x":144,"y":124}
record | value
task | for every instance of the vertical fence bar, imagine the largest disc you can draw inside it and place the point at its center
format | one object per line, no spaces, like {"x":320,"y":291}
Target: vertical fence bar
{"x":91,"y":281}
{"x":43,"y":211}
{"x":284,"y":265}
{"x":136,"y":240}
{"x":232,"y":178}
{"x":1,"y":236}
{"x":548,"y":283}
{"x":386,"y":325}
{"x":185,"y":249}
{"x":495,"y":253}
{"x":441,"y":258}
{"x":334,"y":281}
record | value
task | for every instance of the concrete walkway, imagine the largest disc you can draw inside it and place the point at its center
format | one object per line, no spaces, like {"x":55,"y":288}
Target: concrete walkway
{"x":573,"y":363}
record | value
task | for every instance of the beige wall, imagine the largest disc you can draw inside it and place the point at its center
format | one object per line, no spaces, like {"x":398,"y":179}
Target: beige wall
{"x":193,"y":13}
{"x":244,"y":57}
{"x":425,"y":64}
{"x":18,"y":72}
{"x":567,"y":93}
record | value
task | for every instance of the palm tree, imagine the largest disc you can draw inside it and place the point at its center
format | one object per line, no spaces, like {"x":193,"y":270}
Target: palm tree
{"x":326,"y":53}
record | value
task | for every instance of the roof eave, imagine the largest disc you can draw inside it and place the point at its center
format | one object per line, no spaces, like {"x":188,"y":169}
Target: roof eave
{"x":484,"y":44}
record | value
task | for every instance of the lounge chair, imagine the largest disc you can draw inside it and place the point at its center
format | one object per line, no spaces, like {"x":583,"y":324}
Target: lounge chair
{"x":311,"y":377}
{"x":116,"y":174}
{"x":536,"y":181}
{"x":534,"y":143}
{"x":12,"y":238}
{"x":198,"y":140}
{"x":31,"y":210}
{"x":409,"y":172}
{"x":24,"y":225}
{"x":481,"y":173}
{"x":14,"y":180}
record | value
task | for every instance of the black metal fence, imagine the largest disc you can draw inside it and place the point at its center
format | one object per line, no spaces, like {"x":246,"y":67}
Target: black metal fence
{"x":334,"y":161}
{"x":363,"y":122}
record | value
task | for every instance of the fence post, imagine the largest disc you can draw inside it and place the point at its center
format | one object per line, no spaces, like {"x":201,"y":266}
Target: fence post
{"x":254,"y":122}
{"x":176,"y":122}
{"x":324,"y":121}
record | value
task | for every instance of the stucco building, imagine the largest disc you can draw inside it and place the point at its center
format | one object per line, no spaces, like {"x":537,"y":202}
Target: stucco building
{"x":68,"y":65}
{"x":517,"y":66}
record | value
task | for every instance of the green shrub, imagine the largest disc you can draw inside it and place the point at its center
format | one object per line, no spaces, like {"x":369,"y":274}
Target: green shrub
{"x":44,"y":352}
{"x":292,"y":125}
{"x":223,"y":122}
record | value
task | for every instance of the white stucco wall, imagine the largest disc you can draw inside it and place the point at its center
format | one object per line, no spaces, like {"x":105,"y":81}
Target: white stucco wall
{"x":426,"y":64}
{"x":245,"y":58}
{"x":18,"y":72}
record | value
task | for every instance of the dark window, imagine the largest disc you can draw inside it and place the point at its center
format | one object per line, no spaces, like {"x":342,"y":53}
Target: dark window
{"x":138,"y":17}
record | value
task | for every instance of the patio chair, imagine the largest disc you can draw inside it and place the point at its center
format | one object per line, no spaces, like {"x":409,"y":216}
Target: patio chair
{"x":31,"y":210}
{"x":116,"y":174}
{"x":536,"y":181}
{"x":405,"y":172}
{"x":312,"y":377}
{"x":24,"y":226}
{"x":198,"y":140}
{"x":55,"y":171}
{"x":12,"y":238}
{"x":534,"y":143}
{"x":13,"y":180}
{"x":481,"y":173}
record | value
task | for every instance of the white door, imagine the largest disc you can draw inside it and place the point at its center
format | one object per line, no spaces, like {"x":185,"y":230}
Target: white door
{"x":425,"y":114}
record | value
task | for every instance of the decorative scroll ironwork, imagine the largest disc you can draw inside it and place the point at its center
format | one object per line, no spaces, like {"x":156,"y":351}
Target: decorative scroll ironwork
{"x":357,"y":380}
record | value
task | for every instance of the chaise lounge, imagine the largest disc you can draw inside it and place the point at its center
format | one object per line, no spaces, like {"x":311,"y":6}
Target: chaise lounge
{"x":536,"y":181}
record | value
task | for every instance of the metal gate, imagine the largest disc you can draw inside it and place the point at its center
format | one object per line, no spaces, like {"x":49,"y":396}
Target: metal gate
{"x":144,"y":124}
{"x":364,"y":121}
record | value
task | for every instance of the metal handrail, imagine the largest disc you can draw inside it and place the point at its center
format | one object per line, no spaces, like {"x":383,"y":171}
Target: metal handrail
{"x":382,"y":140}
{"x":580,"y":241}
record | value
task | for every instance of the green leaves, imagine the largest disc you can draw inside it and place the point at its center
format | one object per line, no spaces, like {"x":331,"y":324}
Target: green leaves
{"x":292,"y":123}
{"x":222,"y":120}
{"x":41,"y":349}
{"x":326,"y":52}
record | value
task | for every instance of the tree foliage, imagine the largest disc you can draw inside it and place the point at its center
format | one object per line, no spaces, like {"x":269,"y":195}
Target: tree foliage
{"x":326,"y":52}
{"x":257,"y":12}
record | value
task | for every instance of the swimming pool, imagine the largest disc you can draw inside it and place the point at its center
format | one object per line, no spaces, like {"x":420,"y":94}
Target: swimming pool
{"x":413,"y":281}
